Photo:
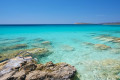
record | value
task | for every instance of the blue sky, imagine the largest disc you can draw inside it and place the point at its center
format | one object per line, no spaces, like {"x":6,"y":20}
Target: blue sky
{"x":58,"y":11}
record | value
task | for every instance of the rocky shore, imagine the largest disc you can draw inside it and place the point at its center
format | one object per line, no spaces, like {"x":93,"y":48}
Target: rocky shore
{"x":26,"y":68}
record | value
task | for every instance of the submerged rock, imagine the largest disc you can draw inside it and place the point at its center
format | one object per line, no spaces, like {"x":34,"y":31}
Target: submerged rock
{"x":67,"y":48}
{"x":108,"y":38}
{"x":26,"y":69}
{"x":97,"y":46}
{"x":38,"y":45}
{"x":107,"y":69}
{"x":10,"y":41}
{"x":115,"y":51}
{"x":38,"y":51}
{"x":117,"y":40}
{"x":38,"y":39}
{"x":101,"y":46}
{"x":18,"y":46}
{"x":46,"y":43}
{"x":26,"y":52}
{"x":88,"y":43}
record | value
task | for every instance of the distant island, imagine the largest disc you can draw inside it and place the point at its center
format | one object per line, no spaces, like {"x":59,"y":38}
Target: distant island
{"x":108,"y":23}
{"x":111,"y":23}
{"x":83,"y":23}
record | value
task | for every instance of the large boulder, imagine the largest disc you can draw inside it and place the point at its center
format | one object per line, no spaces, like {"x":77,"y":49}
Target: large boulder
{"x":12,"y":64}
{"x":50,"y":71}
{"x":26,"y":69}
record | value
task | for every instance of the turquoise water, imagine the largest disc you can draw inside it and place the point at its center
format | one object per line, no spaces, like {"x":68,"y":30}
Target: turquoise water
{"x":69,"y":43}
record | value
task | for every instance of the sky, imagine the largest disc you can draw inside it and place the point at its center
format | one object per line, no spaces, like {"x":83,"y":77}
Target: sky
{"x":59,"y":11}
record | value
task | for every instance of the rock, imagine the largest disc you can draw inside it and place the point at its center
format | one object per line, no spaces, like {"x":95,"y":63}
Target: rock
{"x":18,"y":46}
{"x":40,"y":66}
{"x":12,"y":64}
{"x":7,"y":76}
{"x":29,"y":67}
{"x":25,"y":69}
{"x":46,"y":43}
{"x":101,"y":46}
{"x":9,"y":41}
{"x":2,"y":64}
{"x":38,"y":51}
{"x":20,"y":39}
{"x":50,"y":71}
{"x":67,"y":48}
{"x":117,"y":40}
{"x":88,"y":43}
{"x":38,"y":45}
{"x":19,"y":75}
{"x":9,"y":54}
{"x":108,"y":38}
{"x":102,"y":69}
{"x":36,"y":75}
{"x":38,"y":40}
{"x":22,"y":53}
{"x":115,"y":51}
{"x":48,"y":64}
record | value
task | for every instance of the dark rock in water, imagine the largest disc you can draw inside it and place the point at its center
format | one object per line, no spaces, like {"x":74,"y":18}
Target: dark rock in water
{"x":102,"y":47}
{"x":18,"y":46}
{"x":27,"y":52}
{"x":38,"y":39}
{"x":0,"y":56}
{"x":10,"y":41}
{"x":21,"y":38}
{"x":26,"y":69}
{"x":38,"y":51}
{"x":67,"y":48}
{"x":46,"y":43}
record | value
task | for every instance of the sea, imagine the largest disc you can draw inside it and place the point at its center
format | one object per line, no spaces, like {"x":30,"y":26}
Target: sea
{"x":94,"y":50}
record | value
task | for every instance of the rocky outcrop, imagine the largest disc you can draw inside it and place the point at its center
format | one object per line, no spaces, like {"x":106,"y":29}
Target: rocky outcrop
{"x":20,"y":68}
{"x":26,"y":52}
{"x":9,"y":41}
{"x":101,"y":46}
{"x":97,"y":46}
{"x":18,"y":46}
{"x":108,"y":38}
{"x":38,"y":51}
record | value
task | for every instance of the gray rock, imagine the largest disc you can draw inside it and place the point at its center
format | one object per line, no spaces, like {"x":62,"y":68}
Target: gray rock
{"x":26,"y":69}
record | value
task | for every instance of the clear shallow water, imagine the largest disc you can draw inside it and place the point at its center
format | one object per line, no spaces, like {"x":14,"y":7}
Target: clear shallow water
{"x":70,"y":45}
